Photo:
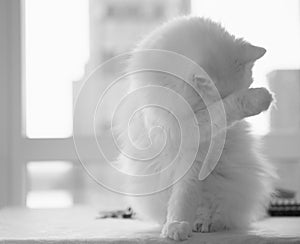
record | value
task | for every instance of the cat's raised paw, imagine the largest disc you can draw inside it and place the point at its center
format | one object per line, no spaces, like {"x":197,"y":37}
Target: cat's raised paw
{"x":177,"y":230}
{"x":255,"y":100}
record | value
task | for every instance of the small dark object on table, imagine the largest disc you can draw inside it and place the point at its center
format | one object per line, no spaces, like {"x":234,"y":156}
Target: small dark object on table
{"x":119,"y":214}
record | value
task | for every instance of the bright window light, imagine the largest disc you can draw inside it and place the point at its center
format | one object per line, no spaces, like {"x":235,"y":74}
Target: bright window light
{"x":49,"y":199}
{"x":273,"y":24}
{"x":49,"y":167}
{"x":56,"y":51}
{"x":49,"y":184}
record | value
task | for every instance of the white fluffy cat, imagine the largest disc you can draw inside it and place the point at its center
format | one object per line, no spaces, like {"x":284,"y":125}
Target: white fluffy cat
{"x":238,"y":188}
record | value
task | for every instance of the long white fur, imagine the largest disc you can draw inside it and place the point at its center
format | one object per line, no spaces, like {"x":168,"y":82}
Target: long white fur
{"x":238,"y":189}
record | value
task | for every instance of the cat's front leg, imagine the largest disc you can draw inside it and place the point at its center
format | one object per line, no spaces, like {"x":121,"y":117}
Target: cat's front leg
{"x":182,"y":207}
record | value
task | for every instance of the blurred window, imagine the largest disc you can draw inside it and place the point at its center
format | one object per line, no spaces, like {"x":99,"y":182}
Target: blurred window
{"x":63,"y":42}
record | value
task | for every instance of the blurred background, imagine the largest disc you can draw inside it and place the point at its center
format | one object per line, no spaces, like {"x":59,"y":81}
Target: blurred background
{"x":59,"y":43}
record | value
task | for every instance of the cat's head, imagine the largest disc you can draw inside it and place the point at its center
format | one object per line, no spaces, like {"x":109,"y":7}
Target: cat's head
{"x":230,"y":64}
{"x":226,"y":59}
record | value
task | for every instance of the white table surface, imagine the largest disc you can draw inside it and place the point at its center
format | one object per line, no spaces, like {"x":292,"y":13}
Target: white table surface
{"x":79,"y":225}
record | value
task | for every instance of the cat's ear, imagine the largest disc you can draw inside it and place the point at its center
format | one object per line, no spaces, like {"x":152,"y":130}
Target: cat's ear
{"x":252,"y":53}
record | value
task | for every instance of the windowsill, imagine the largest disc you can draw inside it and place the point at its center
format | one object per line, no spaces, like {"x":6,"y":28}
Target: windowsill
{"x":79,"y":225}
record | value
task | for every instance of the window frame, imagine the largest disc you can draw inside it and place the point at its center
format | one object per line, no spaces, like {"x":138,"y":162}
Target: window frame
{"x":11,"y":64}
{"x":4,"y":99}
{"x":15,"y":148}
